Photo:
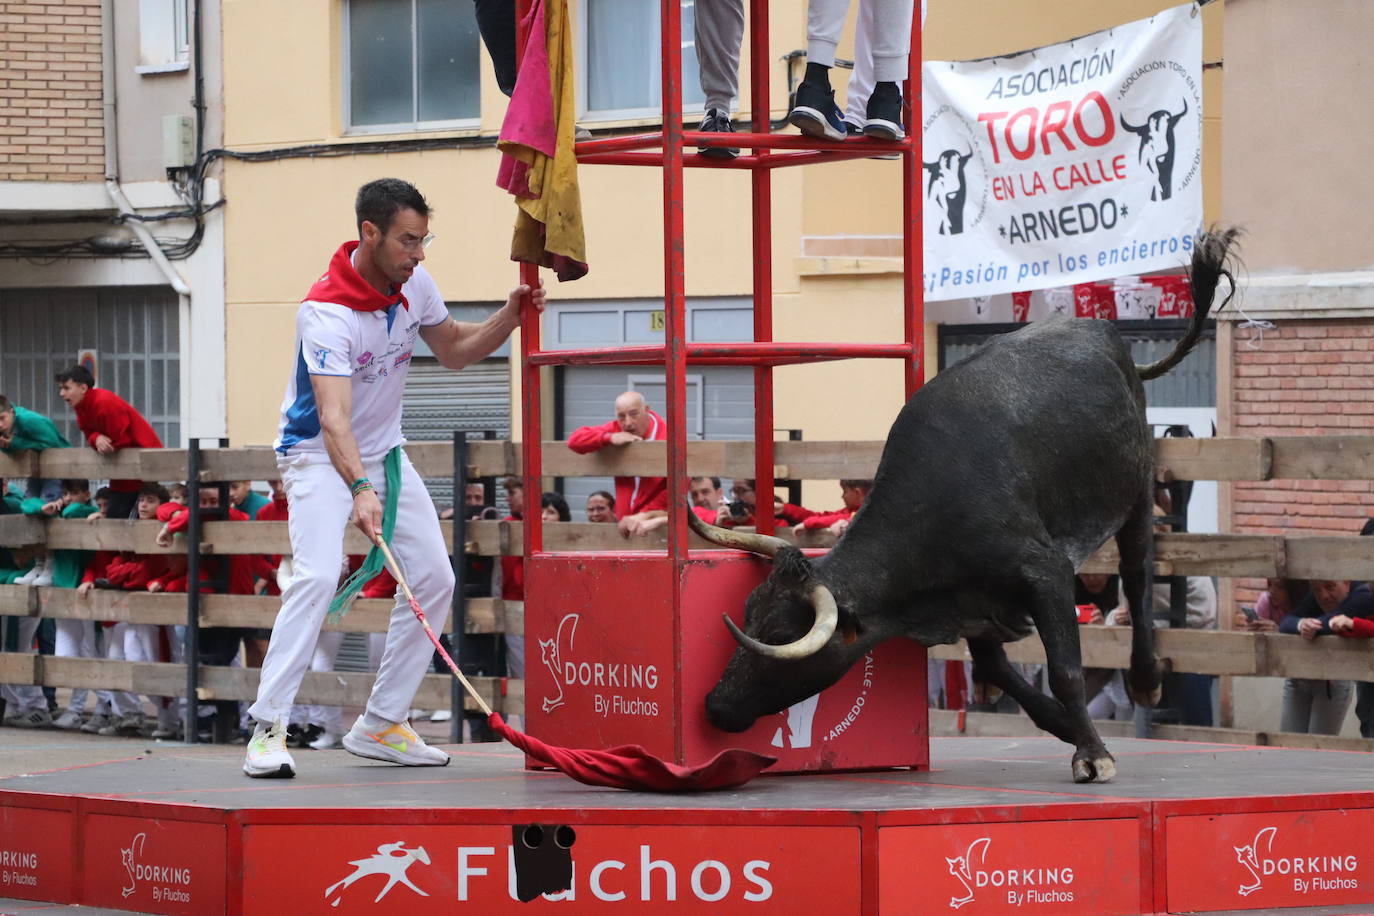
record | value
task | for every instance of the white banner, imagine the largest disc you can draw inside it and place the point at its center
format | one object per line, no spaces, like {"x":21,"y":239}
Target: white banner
{"x":1073,"y":162}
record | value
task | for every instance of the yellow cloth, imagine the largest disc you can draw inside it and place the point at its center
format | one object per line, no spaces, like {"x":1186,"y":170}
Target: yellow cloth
{"x":548,"y":226}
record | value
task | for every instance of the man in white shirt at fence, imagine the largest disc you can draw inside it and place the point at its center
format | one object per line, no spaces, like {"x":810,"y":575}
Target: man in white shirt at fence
{"x":338,"y":451}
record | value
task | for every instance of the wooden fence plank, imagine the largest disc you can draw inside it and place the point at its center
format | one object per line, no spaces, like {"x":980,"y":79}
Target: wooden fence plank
{"x":1323,"y":457}
{"x":1239,"y":458}
{"x":1212,"y":459}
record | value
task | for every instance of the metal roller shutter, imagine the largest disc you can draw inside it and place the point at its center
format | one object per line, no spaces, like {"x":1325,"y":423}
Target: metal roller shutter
{"x":438,"y":401}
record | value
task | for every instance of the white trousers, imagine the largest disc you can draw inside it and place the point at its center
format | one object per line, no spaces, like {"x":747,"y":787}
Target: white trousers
{"x":320,"y":505}
{"x":23,"y":698}
{"x":117,"y":644}
{"x":889,"y":32}
{"x":76,"y":639}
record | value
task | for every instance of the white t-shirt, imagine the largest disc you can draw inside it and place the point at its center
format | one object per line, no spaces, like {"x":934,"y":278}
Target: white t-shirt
{"x":372,"y":348}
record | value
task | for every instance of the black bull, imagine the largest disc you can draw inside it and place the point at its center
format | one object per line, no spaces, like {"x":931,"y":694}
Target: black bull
{"x":998,"y":479}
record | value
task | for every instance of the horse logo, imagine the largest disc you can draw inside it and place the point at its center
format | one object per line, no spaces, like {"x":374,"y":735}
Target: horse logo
{"x":961,"y":867}
{"x":392,"y":860}
{"x":550,"y":654}
{"x":128,"y":857}
{"x":1248,"y":857}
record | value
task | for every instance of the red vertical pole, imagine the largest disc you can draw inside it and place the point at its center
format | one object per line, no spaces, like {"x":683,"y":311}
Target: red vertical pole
{"x":531,"y":413}
{"x":762,"y":188}
{"x":674,"y":284}
{"x":913,"y":282}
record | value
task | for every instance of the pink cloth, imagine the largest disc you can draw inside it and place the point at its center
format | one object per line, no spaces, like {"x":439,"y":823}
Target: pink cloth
{"x":529,"y":118}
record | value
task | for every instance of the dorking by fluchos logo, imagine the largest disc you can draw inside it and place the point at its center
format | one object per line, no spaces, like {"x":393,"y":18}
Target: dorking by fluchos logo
{"x":166,"y":883}
{"x":1266,"y":867}
{"x":605,"y":678}
{"x":1017,"y":884}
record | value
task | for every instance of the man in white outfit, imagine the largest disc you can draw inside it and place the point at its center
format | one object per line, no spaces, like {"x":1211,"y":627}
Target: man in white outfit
{"x":341,"y":420}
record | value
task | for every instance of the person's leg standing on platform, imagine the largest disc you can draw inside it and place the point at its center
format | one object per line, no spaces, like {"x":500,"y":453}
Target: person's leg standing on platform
{"x":718,"y":28}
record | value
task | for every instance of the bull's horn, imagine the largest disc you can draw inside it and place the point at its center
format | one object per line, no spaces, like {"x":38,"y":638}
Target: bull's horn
{"x":827,"y":618}
{"x":763,"y":544}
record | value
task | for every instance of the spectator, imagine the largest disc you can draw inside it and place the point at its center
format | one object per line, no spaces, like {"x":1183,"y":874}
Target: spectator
{"x":109,"y":424}
{"x":1347,"y":622}
{"x":853,"y":492}
{"x":1276,"y":602}
{"x":74,"y":638}
{"x":244,"y":498}
{"x":634,"y":422}
{"x":1311,"y":705}
{"x":739,"y":512}
{"x":706,"y":497}
{"x":814,"y":111}
{"x":601,"y":507}
{"x":508,"y":578}
{"x":1318,"y":706}
{"x":24,"y":430}
{"x":1095,"y":595}
{"x":555,"y":508}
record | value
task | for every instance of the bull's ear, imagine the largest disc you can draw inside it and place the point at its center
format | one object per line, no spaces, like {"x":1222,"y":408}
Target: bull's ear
{"x":849,"y":627}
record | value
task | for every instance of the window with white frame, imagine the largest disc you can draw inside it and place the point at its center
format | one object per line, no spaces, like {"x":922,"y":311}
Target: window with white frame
{"x":410,"y":65}
{"x":620,"y":67}
{"x":163,"y":36}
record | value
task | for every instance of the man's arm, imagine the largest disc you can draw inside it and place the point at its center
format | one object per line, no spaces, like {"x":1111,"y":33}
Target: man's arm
{"x":334,"y":401}
{"x":461,"y":343}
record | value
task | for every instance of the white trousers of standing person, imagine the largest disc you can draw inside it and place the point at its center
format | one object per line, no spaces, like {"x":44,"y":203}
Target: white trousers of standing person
{"x":862,"y":80}
{"x":122,"y":703}
{"x":75,"y":639}
{"x":320,"y":507}
{"x":889,"y":32}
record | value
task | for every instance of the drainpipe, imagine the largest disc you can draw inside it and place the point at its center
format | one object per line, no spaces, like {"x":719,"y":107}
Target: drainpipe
{"x":107,"y":57}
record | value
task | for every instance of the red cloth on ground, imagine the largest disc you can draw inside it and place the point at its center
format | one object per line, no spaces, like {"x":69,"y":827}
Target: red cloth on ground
{"x":630,"y":766}
{"x":103,"y":412}
{"x":652,"y":492}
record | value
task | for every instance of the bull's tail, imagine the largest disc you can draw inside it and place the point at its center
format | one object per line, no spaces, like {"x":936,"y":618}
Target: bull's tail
{"x":1211,"y":261}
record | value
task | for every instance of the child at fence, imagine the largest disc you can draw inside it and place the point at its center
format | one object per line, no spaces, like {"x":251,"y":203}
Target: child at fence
{"x":25,"y":430}
{"x":852,"y":493}
{"x":109,"y":424}
{"x":220,"y":645}
{"x":74,"y":638}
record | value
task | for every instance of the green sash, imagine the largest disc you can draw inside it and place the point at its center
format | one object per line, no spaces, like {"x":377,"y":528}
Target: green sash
{"x":374,"y":562}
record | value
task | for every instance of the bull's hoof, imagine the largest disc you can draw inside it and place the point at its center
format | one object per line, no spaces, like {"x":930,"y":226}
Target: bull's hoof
{"x":1094,"y":769}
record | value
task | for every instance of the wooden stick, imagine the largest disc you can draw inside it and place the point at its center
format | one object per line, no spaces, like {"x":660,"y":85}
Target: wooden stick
{"x":420,"y":615}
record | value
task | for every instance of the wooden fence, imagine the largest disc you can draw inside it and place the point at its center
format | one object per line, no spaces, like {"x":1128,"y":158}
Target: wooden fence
{"x":1206,"y":652}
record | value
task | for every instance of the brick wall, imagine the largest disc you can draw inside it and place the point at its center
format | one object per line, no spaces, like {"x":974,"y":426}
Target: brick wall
{"x":1303,"y":378}
{"x":50,"y":91}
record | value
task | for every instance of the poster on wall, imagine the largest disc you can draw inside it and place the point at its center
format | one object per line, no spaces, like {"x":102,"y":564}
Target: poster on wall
{"x":1065,"y":164}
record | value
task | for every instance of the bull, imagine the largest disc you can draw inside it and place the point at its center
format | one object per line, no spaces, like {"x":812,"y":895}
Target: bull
{"x":998,"y":479}
{"x":1157,"y":147}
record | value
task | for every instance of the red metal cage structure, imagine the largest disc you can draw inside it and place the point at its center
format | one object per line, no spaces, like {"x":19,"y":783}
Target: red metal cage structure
{"x":551,"y":598}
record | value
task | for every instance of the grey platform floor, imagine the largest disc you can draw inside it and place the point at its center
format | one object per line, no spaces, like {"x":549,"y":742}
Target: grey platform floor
{"x":965,"y":771}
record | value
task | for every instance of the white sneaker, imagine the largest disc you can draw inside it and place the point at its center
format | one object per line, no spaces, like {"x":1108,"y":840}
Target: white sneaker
{"x":68,"y":721}
{"x":267,"y":756}
{"x":43,"y":574}
{"x":327,"y":741}
{"x":95,"y":723}
{"x":34,"y":718}
{"x":397,"y":743}
{"x":441,"y":715}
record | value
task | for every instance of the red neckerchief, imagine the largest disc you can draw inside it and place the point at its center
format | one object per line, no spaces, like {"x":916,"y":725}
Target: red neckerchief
{"x":343,"y":285}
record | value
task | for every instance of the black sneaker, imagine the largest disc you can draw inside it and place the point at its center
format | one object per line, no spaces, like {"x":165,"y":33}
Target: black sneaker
{"x":815,"y":113}
{"x":884,"y":121}
{"x":717,"y":122}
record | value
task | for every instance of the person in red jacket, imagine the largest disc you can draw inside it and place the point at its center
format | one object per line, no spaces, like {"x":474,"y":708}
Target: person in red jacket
{"x":739,"y":511}
{"x":853,"y":492}
{"x":109,"y":423}
{"x":634,"y":422}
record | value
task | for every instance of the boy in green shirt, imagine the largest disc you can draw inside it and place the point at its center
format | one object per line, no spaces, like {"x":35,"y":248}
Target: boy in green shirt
{"x":23,"y":430}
